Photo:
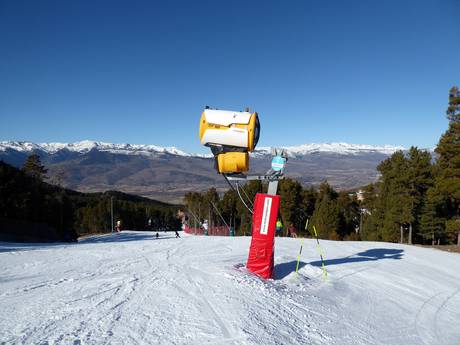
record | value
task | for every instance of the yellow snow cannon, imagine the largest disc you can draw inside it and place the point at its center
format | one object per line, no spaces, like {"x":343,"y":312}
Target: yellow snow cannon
{"x":230,"y":135}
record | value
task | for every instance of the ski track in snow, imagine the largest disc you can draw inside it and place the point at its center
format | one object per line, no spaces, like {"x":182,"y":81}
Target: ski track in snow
{"x":131,"y":288}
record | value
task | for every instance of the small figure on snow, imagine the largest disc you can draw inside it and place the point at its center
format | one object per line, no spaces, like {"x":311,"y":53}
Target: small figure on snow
{"x":177,"y":234}
{"x":292,"y":230}
{"x":118,"y":226}
{"x":205,"y":227}
{"x":157,"y":235}
{"x":279,"y":227}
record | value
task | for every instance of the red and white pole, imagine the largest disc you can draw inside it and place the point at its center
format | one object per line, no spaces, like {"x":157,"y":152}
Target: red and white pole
{"x":262,"y":249}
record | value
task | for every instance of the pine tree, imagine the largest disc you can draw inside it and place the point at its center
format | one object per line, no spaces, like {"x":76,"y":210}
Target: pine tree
{"x":326,"y":215}
{"x":307,"y":206}
{"x":228,"y":207}
{"x":348,"y":209}
{"x":372,"y":214}
{"x":194,"y":202}
{"x":448,"y":149}
{"x":448,"y":164}
{"x":431,"y":224}
{"x":453,"y":228}
{"x":403,"y":185}
{"x":290,"y":192}
{"x":33,"y":167}
{"x":419,"y":179}
{"x":211,"y":200}
{"x":394,"y":206}
{"x":453,"y":110}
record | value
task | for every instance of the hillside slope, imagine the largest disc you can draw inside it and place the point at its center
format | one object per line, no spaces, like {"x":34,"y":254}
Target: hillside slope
{"x":168,"y":173}
{"x":132,"y":288}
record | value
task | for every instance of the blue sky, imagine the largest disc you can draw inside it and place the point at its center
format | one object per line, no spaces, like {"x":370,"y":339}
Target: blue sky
{"x":368,"y":72}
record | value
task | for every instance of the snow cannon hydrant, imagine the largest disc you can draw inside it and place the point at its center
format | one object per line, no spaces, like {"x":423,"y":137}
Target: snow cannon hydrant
{"x":231,"y":136}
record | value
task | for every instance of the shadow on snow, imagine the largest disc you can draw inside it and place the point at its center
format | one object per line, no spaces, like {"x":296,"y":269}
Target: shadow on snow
{"x":22,"y":247}
{"x":124,"y":237}
{"x":106,"y":238}
{"x":368,"y":255}
{"x":282,"y":270}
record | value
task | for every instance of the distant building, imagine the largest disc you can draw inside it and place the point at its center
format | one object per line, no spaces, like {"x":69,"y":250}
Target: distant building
{"x":360,"y":195}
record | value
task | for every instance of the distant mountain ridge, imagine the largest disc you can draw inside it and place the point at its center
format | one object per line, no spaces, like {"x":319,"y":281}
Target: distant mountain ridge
{"x":88,"y":145}
{"x":167,"y":173}
{"x":136,"y":149}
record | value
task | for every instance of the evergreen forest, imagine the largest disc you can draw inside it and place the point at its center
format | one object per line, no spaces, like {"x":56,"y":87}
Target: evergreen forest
{"x":33,"y":210}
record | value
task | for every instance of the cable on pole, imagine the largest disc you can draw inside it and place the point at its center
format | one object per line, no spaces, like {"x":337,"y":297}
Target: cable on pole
{"x":229,"y":183}
{"x":213,"y":205}
{"x":247,"y":197}
{"x":190,"y":211}
{"x":237,"y":190}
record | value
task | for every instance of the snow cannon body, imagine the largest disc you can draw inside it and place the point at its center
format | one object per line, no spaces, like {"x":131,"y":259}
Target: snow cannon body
{"x":230,"y":135}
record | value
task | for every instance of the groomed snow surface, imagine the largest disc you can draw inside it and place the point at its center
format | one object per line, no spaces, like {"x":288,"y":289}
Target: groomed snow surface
{"x":131,"y":288}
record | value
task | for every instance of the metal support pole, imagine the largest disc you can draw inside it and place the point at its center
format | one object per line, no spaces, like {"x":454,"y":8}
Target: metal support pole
{"x":409,"y":240}
{"x":272,"y":187}
{"x":111,"y":211}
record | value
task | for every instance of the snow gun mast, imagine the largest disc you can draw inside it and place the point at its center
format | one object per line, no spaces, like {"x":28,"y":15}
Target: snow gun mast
{"x":231,"y":135}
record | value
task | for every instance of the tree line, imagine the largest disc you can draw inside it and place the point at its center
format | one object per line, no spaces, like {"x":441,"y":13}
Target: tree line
{"x":34,"y":210}
{"x":335,"y":214}
{"x":415,"y":200}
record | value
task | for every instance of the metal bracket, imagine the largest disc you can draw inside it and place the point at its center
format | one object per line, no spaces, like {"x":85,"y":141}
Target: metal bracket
{"x":241,"y":177}
{"x":271,"y":175}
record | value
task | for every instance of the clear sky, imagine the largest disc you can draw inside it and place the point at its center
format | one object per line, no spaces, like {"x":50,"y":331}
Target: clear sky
{"x":364,"y":72}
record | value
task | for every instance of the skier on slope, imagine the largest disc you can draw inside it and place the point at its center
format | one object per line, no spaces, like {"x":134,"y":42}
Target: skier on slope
{"x":118,"y":226}
{"x":279,"y":227}
{"x":205,"y":227}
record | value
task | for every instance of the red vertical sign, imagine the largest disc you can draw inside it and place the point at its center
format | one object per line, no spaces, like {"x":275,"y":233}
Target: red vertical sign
{"x":261,"y":251}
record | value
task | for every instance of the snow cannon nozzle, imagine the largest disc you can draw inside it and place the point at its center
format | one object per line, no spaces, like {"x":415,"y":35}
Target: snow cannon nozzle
{"x":231,"y":135}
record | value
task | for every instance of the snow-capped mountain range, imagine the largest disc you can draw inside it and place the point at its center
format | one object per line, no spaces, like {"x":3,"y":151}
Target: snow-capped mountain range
{"x":167,"y":173}
{"x":339,"y":148}
{"x":88,"y":145}
{"x":148,"y":150}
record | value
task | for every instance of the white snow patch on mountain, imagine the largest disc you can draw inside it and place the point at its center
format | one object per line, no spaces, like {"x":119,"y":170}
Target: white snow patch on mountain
{"x":338,"y":148}
{"x":88,"y":145}
{"x":149,"y":150}
{"x":131,"y":288}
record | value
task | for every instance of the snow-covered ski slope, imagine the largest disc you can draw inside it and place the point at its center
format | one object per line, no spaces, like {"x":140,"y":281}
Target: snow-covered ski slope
{"x":131,"y":288}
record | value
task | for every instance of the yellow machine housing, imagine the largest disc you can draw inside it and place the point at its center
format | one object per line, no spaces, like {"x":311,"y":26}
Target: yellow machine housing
{"x":229,"y":129}
{"x":230,"y":135}
{"x":232,"y":162}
